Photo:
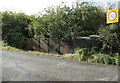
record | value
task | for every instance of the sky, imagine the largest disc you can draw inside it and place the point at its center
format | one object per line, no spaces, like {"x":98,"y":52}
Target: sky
{"x":34,"y":6}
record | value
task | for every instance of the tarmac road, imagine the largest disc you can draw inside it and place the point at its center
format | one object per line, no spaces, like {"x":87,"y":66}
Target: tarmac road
{"x":0,"y":65}
{"x":27,"y":67}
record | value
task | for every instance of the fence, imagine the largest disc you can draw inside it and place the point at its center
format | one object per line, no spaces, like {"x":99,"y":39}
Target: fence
{"x":48,"y":45}
{"x":59,"y":47}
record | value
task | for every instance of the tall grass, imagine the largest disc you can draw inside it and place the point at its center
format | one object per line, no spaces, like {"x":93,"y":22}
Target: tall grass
{"x":80,"y":55}
{"x":90,"y":56}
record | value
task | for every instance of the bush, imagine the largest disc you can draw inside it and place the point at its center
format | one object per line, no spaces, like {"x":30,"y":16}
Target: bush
{"x":92,"y":56}
{"x":109,"y":36}
{"x":101,"y":58}
{"x":116,"y":59}
{"x":15,"y":39}
{"x":97,"y":58}
{"x":14,"y":28}
{"x":83,"y":54}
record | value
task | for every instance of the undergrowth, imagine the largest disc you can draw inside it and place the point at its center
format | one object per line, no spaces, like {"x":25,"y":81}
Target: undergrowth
{"x":79,"y":55}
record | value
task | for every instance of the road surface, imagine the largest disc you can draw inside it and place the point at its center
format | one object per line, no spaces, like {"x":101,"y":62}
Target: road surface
{"x":27,"y":67}
{"x":0,"y":65}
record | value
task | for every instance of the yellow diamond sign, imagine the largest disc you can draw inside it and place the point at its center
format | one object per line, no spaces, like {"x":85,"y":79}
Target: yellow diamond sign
{"x":112,"y":16}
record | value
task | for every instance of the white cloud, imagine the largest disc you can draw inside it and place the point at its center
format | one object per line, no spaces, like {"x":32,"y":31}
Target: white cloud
{"x":29,"y":6}
{"x":35,"y":6}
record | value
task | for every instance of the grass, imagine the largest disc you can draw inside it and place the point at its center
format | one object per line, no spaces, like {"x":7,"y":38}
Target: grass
{"x":79,"y":55}
{"x":23,"y":51}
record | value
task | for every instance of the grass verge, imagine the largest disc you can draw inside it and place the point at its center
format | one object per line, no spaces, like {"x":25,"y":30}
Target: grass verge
{"x":79,"y":55}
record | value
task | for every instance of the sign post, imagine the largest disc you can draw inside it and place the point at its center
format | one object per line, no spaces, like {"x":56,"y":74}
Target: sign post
{"x":112,"y":16}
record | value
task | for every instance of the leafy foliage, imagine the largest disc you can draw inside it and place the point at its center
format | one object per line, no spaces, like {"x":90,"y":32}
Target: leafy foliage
{"x":64,"y":22}
{"x":86,"y":55}
{"x":101,"y":58}
{"x":14,"y":28}
{"x":109,"y":36}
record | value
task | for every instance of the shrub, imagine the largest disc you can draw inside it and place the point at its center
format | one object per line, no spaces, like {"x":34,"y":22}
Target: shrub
{"x":83,"y":54}
{"x":107,"y":59}
{"x":14,"y":28}
{"x":102,"y":58}
{"x":116,"y":59}
{"x":80,"y":55}
{"x":97,"y":58}
{"x":110,"y":38}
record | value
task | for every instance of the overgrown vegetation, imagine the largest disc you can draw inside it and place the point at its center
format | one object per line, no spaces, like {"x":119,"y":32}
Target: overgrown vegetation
{"x":63,"y":22}
{"x":110,"y":38}
{"x":79,"y":55}
{"x":89,"y":56}
{"x":14,"y":28}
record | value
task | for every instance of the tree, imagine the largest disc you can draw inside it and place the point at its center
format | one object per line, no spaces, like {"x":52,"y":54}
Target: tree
{"x":63,"y":22}
{"x":14,"y":28}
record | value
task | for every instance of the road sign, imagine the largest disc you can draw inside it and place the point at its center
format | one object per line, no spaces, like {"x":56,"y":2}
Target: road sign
{"x":112,"y":16}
